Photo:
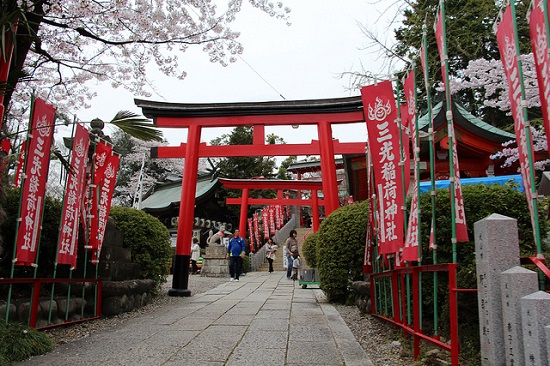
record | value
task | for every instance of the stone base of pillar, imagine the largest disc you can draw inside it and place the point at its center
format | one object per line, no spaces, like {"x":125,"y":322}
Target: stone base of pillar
{"x":214,"y":263}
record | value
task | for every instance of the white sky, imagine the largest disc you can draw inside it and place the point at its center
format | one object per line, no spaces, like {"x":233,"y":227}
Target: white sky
{"x":301,"y":61}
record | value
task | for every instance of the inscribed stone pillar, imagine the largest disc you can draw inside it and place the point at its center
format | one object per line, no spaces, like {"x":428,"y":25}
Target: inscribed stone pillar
{"x":535,"y":315}
{"x":515,"y":283}
{"x":497,"y":250}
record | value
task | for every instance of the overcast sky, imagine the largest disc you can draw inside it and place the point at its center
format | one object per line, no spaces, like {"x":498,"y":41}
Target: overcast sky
{"x":300,"y":61}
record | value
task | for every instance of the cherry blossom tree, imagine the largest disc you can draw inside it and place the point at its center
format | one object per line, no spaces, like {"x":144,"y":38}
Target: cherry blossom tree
{"x":62,"y":45}
{"x":488,"y":80}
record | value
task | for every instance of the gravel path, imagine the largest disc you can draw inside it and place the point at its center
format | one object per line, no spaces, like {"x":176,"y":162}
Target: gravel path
{"x":379,"y":339}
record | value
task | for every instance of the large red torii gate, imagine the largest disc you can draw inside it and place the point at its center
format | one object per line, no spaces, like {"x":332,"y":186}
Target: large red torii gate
{"x":194,"y":117}
{"x":276,"y":184}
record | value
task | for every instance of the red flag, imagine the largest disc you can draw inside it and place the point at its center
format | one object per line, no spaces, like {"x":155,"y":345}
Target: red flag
{"x":539,"y":43}
{"x":406,"y":121}
{"x":265,"y":221}
{"x":5,"y":62}
{"x":439,"y":37}
{"x":383,"y":136}
{"x":251,"y":235}
{"x":272,"y":219}
{"x":460,"y":217}
{"x":34,"y":184}
{"x":106,"y":190}
{"x":101,"y":157}
{"x":256,"y":229}
{"x":410,"y":251}
{"x":72,"y":204}
{"x":20,"y":164}
{"x":506,"y":39}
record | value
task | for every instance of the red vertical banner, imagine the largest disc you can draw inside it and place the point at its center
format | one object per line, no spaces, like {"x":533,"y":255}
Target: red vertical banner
{"x":539,"y":43}
{"x":251,"y":236}
{"x":20,"y":164}
{"x":370,"y":236}
{"x":72,"y":204}
{"x":272,"y":220}
{"x":101,"y":156}
{"x":256,"y":229}
{"x":106,"y":190}
{"x":508,"y":54}
{"x":265,"y":222}
{"x":34,"y":183}
{"x":410,"y":251}
{"x":278,"y":216}
{"x":405,"y":138}
{"x":460,"y":217}
{"x":383,"y":136}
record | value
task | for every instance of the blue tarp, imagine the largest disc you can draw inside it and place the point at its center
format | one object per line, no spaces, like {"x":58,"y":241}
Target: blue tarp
{"x":426,"y":186}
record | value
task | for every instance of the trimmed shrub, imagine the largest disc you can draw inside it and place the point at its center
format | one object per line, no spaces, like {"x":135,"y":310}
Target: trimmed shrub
{"x":148,"y":239}
{"x":309,"y":249}
{"x":340,"y":250}
{"x":19,"y":342}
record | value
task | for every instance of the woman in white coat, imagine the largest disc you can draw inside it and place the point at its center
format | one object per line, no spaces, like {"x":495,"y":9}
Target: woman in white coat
{"x":195,"y":254}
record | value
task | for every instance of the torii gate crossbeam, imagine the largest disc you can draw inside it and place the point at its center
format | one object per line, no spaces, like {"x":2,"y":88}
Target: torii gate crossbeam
{"x":279,"y":185}
{"x":322,"y":113}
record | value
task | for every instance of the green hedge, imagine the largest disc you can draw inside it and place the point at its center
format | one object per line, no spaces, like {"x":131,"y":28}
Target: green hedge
{"x":148,"y":239}
{"x":309,"y":249}
{"x":19,"y":342}
{"x":340,"y":250}
{"x":48,"y":235}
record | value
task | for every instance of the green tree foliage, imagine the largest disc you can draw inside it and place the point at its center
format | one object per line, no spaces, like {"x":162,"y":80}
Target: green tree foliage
{"x":470,"y":36}
{"x":340,"y":250}
{"x":283,"y":174}
{"x":148,"y":239}
{"x":245,"y":166}
{"x":242,"y":167}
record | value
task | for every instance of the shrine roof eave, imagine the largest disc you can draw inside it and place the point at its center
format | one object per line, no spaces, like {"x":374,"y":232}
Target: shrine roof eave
{"x":271,"y":184}
{"x":153,"y":109}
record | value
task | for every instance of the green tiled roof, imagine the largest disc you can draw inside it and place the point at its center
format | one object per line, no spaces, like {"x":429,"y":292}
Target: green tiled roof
{"x":170,"y":194}
{"x":467,"y":121}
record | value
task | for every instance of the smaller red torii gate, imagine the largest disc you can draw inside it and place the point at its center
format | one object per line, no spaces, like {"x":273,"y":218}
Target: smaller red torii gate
{"x":301,"y":185}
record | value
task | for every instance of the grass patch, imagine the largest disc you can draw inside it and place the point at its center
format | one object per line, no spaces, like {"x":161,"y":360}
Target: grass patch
{"x":19,"y":342}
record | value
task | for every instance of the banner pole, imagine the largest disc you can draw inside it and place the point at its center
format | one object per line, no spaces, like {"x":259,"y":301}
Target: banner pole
{"x":432,"y":174}
{"x":529,"y":138}
{"x":449,"y":116}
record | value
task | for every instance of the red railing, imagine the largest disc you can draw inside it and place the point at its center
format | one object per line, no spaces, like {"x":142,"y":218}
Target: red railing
{"x":397,"y":277}
{"x":35,"y":296}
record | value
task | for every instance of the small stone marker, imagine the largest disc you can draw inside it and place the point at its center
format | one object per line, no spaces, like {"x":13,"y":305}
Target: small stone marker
{"x":497,"y":250}
{"x":515,"y":283}
{"x":535,"y":316}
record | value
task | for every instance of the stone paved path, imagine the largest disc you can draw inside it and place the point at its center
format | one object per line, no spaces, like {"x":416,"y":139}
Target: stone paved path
{"x":262,"y":320}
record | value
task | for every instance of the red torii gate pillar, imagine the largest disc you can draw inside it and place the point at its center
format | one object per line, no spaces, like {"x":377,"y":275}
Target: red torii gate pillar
{"x":186,"y":214}
{"x":244,"y":212}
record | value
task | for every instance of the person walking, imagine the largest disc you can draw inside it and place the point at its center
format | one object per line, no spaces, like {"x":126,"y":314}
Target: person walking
{"x":195,"y":254}
{"x":236,"y":250}
{"x":296,"y":265}
{"x":270,"y":248}
{"x":291,"y":248}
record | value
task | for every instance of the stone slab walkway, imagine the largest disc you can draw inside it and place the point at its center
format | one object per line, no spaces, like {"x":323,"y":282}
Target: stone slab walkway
{"x":264,"y":319}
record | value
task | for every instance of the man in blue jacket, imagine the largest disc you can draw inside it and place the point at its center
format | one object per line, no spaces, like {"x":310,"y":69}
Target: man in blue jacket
{"x":236,"y":250}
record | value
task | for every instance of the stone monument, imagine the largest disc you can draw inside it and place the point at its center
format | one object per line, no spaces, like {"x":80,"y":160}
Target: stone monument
{"x":214,"y":263}
{"x":497,"y":250}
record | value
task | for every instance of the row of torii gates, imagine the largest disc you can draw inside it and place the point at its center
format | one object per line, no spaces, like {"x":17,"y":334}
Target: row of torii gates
{"x":322,"y":113}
